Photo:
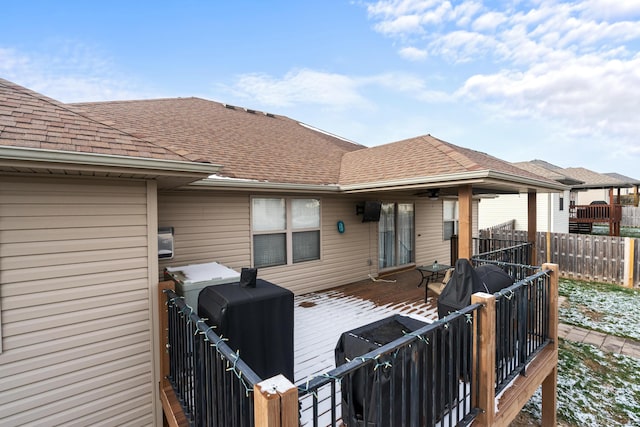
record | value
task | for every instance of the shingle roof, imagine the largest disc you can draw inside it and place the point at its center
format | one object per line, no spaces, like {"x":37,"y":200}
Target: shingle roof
{"x":538,"y":167}
{"x":31,"y":120}
{"x":593,"y":179}
{"x":423,"y":156}
{"x":249,"y":144}
{"x":623,"y":178}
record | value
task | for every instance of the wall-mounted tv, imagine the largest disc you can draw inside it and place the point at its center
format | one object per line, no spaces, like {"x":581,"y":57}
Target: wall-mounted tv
{"x":371,"y":211}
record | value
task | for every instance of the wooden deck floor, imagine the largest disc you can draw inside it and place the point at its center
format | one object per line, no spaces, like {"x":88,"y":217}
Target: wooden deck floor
{"x":321,"y":317}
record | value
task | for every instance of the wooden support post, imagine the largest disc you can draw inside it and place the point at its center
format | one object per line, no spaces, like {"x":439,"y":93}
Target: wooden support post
{"x":629,"y":261}
{"x":275,"y":403}
{"x":532,"y":226}
{"x":484,"y":350}
{"x":465,"y":247}
{"x":550,"y":383}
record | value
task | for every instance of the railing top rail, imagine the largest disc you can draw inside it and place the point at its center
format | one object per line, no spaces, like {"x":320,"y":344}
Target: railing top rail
{"x":497,"y":251}
{"x":508,"y":291}
{"x":239,"y":366}
{"x":477,"y":258}
{"x":353,"y":365}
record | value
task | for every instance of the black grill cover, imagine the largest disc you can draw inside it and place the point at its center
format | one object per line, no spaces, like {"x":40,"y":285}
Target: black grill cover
{"x":456,"y":295}
{"x":257,"y":321}
{"x":466,"y":281}
{"x":494,"y":278}
{"x":360,"y":390}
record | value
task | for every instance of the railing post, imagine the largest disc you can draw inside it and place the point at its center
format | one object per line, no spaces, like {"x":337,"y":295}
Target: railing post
{"x":275,"y":403}
{"x":484,"y":352}
{"x":550,"y":384}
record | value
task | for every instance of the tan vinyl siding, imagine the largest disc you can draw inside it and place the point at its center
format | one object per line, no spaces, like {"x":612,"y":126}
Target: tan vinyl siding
{"x":430,"y":245}
{"x":74,"y":287}
{"x":215,"y":226}
{"x":207,"y":227}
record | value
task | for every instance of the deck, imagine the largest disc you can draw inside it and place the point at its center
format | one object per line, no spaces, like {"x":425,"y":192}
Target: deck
{"x":321,"y":317}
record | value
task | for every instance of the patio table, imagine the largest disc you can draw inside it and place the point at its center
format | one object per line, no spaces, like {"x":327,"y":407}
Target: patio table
{"x":429,"y":272}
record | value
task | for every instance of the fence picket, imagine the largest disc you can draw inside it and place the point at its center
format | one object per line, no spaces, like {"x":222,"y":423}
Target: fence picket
{"x":582,"y":256}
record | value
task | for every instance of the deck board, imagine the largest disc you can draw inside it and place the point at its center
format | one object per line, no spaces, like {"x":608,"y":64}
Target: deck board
{"x":321,"y":317}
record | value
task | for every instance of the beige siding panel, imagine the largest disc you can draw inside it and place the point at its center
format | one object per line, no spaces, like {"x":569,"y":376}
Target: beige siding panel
{"x":62,"y":235}
{"x":66,"y":410}
{"x":23,"y":394}
{"x":61,"y":314}
{"x":57,"y":283}
{"x":208,"y":226}
{"x":70,"y":269}
{"x":74,"y":292}
{"x":70,"y":246}
{"x":132,"y":413}
{"x":430,"y":245}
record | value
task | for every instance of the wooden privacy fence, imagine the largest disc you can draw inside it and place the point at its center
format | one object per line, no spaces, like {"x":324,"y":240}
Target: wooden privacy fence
{"x":588,"y":257}
{"x":630,"y":216}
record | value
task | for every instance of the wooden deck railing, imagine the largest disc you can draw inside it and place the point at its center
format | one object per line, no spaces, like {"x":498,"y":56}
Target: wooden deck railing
{"x":528,"y":311}
{"x":592,"y":214}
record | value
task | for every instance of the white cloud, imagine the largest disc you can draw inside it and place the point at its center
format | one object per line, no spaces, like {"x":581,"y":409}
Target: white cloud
{"x":300,"y":86}
{"x":413,"y":54}
{"x":572,"y":63}
{"x":68,"y":71}
{"x":488,"y":21}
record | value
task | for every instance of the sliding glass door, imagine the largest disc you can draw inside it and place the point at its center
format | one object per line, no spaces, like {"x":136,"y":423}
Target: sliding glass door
{"x":396,"y":235}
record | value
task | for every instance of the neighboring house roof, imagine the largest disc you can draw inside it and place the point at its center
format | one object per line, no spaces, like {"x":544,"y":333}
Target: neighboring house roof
{"x":623,"y":178}
{"x":249,"y":144}
{"x":429,"y":159}
{"x":35,"y":128}
{"x":586,"y":178}
{"x":594,"y":179}
{"x":537,"y":167}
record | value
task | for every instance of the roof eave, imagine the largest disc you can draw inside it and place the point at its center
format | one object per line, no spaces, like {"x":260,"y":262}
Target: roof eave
{"x":225,"y":183}
{"x":461,"y":178}
{"x":84,"y":161}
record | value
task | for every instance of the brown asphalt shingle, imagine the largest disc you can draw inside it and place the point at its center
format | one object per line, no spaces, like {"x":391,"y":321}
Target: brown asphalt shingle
{"x":423,"y":156}
{"x":249,"y":145}
{"x":31,"y":120}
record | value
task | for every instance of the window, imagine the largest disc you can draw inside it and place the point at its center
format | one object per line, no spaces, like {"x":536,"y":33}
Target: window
{"x":285,"y":231}
{"x":449,"y":218}
{"x":561,"y":203}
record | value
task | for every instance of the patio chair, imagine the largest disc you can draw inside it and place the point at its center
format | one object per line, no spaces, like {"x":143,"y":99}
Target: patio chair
{"x":437,"y":287}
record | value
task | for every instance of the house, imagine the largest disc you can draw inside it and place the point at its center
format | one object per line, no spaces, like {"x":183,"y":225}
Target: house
{"x":84,"y":188}
{"x":552,"y":209}
{"x":584,"y":187}
{"x":632,"y":195}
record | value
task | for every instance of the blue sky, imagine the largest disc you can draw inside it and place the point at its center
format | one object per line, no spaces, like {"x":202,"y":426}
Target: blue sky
{"x":520,"y":80}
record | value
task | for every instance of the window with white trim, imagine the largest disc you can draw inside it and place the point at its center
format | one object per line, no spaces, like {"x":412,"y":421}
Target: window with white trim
{"x":449,"y":218}
{"x":285,"y":230}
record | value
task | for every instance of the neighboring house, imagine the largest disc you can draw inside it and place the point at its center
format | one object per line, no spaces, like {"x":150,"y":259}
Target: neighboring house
{"x":632,"y":191}
{"x":596,"y":186}
{"x":584,"y":187}
{"x":552,"y":208}
{"x":84,"y":188}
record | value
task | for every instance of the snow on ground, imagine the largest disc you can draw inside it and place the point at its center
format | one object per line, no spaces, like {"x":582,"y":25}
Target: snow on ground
{"x":596,"y":388}
{"x":606,"y":308}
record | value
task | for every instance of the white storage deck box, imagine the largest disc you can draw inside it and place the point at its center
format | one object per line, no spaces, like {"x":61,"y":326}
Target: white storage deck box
{"x":191,"y":279}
